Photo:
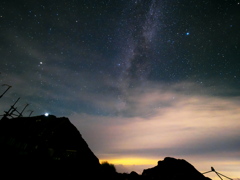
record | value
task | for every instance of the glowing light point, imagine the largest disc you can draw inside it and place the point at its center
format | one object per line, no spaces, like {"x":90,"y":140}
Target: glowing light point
{"x":46,"y":114}
{"x":188,"y":33}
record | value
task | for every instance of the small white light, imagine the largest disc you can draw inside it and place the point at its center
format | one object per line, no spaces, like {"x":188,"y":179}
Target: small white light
{"x":46,"y":114}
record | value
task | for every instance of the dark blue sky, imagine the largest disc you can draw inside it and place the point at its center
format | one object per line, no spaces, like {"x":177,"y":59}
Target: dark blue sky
{"x":122,"y":59}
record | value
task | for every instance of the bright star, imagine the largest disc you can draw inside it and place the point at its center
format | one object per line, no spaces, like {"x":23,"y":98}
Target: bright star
{"x":187,"y":33}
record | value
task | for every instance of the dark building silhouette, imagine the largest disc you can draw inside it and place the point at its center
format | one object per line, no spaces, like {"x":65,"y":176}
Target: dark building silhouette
{"x":45,"y":146}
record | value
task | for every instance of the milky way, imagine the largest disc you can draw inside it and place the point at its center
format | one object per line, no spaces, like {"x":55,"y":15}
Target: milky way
{"x":115,"y":65}
{"x":143,"y":24}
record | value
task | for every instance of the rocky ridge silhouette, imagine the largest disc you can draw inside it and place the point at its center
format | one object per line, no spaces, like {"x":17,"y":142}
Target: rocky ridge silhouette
{"x":51,"y":147}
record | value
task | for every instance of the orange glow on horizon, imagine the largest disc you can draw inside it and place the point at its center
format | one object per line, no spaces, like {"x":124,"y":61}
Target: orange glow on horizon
{"x":153,"y":162}
{"x":130,"y":161}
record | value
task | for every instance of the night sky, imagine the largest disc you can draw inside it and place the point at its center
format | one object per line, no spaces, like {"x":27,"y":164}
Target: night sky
{"x":140,"y":79}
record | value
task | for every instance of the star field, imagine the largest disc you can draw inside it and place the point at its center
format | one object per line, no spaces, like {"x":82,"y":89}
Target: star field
{"x":97,"y":60}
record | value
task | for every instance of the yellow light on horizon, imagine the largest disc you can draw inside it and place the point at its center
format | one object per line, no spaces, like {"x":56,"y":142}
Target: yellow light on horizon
{"x":130,"y":161}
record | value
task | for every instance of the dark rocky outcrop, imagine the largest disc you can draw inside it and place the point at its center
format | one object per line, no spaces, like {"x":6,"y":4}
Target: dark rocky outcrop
{"x":173,"y":169}
{"x":168,"y":169}
{"x":44,"y":146}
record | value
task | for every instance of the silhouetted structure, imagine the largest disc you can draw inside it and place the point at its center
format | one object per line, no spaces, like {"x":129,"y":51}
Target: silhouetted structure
{"x":218,"y":174}
{"x":47,"y":146}
{"x":8,"y":87}
{"x":11,"y":111}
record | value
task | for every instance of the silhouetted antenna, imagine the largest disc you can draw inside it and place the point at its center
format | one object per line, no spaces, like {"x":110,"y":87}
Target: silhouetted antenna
{"x":213,"y":170}
{"x":11,"y":110}
{"x":30,"y":113}
{"x":5,"y":90}
{"x":20,"y":114}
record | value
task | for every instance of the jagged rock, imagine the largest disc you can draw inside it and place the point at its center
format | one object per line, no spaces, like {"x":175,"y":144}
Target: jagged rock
{"x":47,"y":146}
{"x":134,"y":175}
{"x":52,"y":148}
{"x":173,"y":169}
{"x":124,"y":176}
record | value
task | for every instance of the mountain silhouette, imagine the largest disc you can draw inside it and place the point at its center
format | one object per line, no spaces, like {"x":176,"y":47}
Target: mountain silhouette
{"x":50,"y":147}
{"x":171,"y":168}
{"x":47,"y":146}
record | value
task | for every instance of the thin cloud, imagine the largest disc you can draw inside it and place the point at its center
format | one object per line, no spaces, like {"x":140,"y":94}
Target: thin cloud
{"x":185,"y":124}
{"x":180,"y":122}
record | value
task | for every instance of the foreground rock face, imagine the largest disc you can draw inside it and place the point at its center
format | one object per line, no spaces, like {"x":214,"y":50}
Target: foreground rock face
{"x":173,"y":169}
{"x":44,"y":146}
{"x":168,"y":169}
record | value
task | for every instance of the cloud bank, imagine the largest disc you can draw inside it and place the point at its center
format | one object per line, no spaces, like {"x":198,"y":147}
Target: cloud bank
{"x":157,"y":120}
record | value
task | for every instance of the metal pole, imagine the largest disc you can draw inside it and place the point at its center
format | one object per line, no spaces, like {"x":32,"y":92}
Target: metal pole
{"x":224,"y":176}
{"x":213,"y":170}
{"x":30,"y":113}
{"x":5,"y":90}
{"x":20,"y":115}
{"x":7,"y":113}
{"x":218,"y":175}
{"x":207,"y":172}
